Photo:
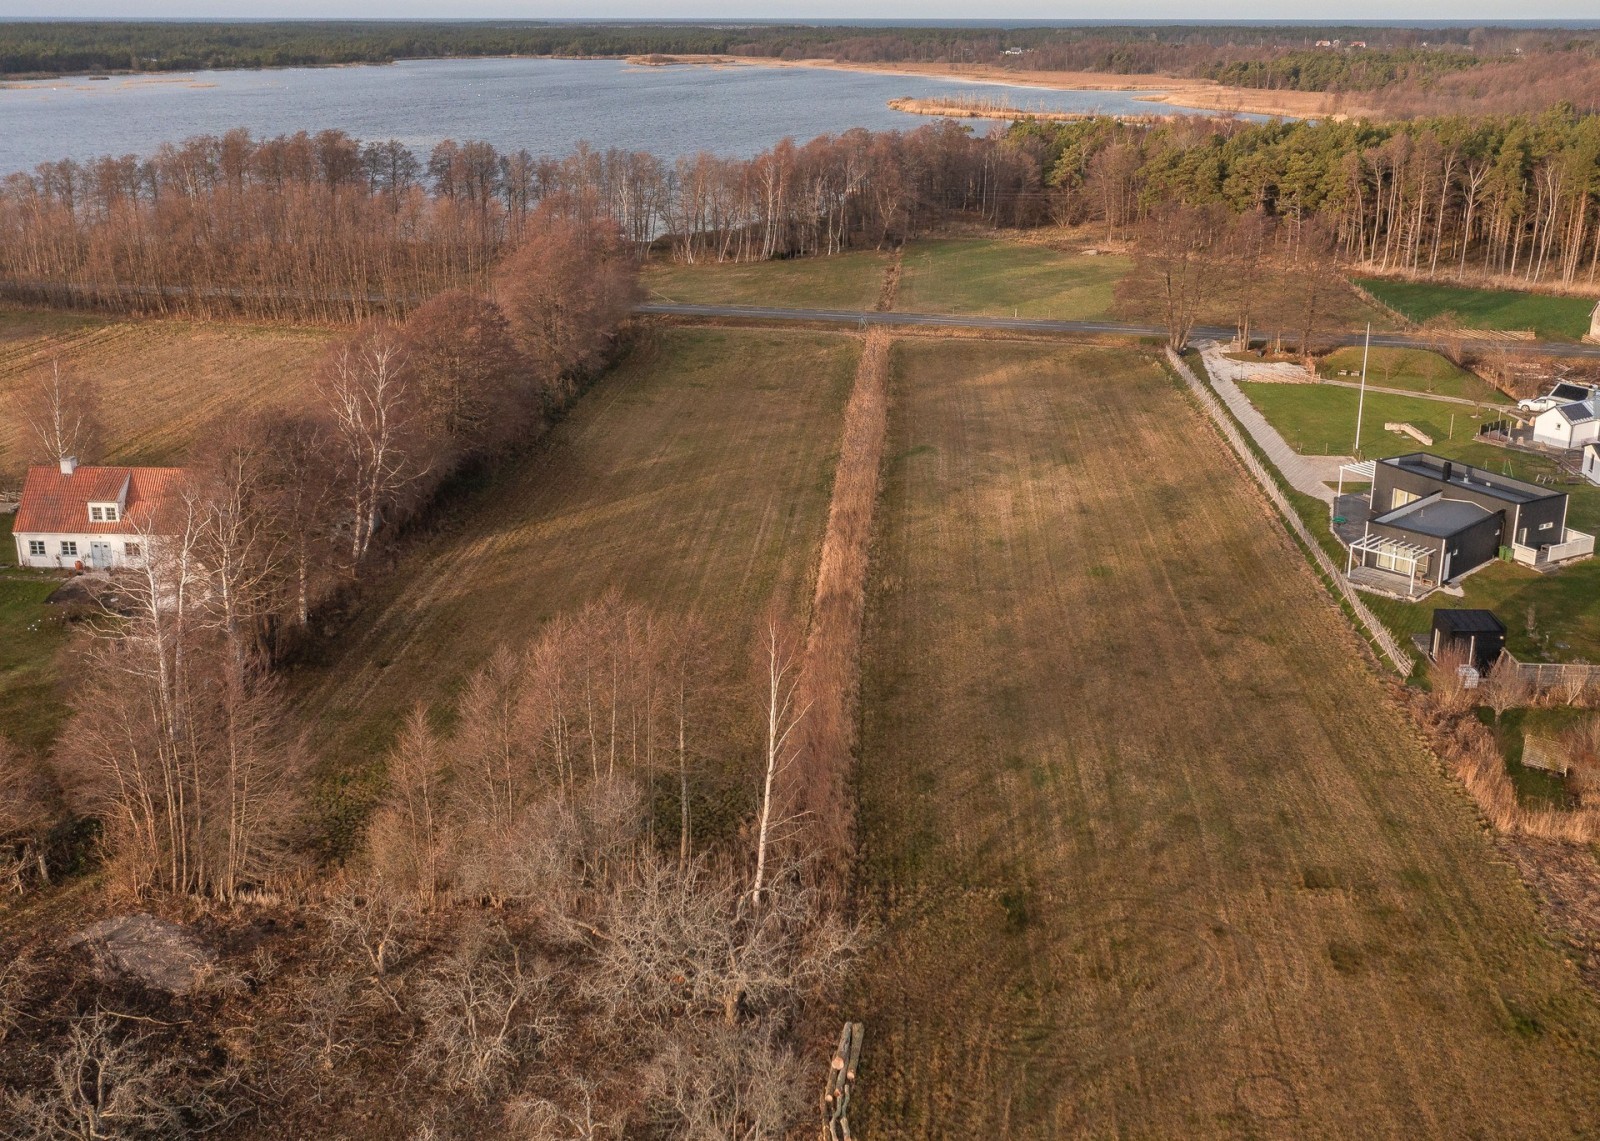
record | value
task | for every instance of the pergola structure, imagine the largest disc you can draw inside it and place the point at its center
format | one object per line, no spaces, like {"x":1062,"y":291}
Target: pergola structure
{"x":1403,"y":557}
{"x":1366,"y":469}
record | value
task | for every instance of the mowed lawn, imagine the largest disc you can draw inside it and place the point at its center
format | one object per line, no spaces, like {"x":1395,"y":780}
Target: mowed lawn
{"x":693,"y":478}
{"x":161,"y":381}
{"x":1153,"y":852}
{"x":994,"y":277}
{"x":1320,"y":419}
{"x":1550,"y":318}
{"x":843,"y":281}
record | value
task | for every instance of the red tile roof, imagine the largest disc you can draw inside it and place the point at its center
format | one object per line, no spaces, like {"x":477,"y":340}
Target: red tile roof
{"x":53,"y":503}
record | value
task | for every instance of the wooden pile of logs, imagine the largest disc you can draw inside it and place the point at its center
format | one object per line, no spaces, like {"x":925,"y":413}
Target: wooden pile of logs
{"x":841,"y":1081}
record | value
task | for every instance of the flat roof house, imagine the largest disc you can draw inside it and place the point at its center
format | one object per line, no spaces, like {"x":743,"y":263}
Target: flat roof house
{"x":89,"y":517}
{"x":1434,"y":520}
{"x":1479,"y":634}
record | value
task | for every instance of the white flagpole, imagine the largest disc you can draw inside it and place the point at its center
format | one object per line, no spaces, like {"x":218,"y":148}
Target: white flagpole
{"x":1361,"y":400}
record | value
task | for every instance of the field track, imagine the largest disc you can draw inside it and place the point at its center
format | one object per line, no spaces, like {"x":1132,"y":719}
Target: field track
{"x":694,"y":477}
{"x":1155,"y":853}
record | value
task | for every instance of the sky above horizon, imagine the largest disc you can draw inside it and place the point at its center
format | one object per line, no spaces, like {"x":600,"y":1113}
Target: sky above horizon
{"x":1185,"y":11}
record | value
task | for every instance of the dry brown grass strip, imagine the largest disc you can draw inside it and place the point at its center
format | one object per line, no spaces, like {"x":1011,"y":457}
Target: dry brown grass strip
{"x":830,"y":677}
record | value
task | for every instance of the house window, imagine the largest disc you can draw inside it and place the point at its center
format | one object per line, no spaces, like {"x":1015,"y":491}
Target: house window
{"x":1402,"y":497}
{"x":35,"y":546}
{"x":132,"y":550}
{"x":96,"y":515}
{"x":103,"y":514}
{"x":111,"y":514}
{"x":68,"y":547}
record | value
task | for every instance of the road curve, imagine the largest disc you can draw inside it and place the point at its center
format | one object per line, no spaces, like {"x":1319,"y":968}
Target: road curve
{"x":863,"y":318}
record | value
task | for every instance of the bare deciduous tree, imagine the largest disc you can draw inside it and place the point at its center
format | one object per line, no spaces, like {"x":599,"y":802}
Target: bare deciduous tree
{"x":104,"y":1085}
{"x":372,"y":405}
{"x":482,"y":1008}
{"x":785,"y":711}
{"x":60,"y":408}
{"x":1181,"y":257}
{"x":1504,"y":686}
{"x":566,"y":290}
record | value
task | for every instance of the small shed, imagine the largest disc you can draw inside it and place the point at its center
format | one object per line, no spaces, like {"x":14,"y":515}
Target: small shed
{"x":1478,"y":632}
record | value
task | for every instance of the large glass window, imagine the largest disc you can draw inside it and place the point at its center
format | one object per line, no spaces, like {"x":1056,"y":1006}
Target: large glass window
{"x":1402,"y":497}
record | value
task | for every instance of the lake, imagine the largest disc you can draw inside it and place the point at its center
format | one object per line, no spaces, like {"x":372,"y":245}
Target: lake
{"x":543,"y":105}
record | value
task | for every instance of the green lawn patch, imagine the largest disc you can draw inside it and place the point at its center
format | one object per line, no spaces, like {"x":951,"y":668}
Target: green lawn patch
{"x":1550,"y":318}
{"x":843,"y":281}
{"x":31,"y":638}
{"x":1417,"y":370}
{"x":998,"y":278}
{"x":1318,"y":419}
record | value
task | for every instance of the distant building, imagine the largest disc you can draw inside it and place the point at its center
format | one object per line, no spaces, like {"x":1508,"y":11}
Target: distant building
{"x":1594,"y":323}
{"x":1566,"y":417}
{"x":86,"y":517}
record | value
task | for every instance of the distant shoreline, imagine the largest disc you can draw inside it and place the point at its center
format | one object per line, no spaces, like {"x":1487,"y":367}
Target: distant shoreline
{"x":1175,"y":91}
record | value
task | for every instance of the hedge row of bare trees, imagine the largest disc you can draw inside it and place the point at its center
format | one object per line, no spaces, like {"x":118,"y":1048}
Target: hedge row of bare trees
{"x":325,"y":227}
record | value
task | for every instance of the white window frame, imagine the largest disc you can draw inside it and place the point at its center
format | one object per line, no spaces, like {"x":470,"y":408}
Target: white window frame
{"x":36,"y":547}
{"x":97,"y":513}
{"x":133,"y":550}
{"x":69,"y":548}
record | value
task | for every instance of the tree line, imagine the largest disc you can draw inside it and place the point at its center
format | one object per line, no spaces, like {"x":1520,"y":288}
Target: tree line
{"x":1512,"y":198}
{"x":326,"y":227}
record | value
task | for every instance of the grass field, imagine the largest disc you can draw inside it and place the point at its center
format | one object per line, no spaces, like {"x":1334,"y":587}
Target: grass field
{"x":1417,"y":370}
{"x":694,"y":477}
{"x":994,"y":277}
{"x":1550,"y":318}
{"x":31,"y":639}
{"x":843,"y":281}
{"x":1155,"y":854}
{"x":160,"y":380}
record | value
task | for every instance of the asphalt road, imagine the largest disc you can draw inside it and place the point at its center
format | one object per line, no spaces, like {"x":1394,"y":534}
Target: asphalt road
{"x":862,"y":318}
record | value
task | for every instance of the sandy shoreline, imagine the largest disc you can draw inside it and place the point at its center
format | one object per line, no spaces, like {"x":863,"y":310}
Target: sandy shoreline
{"x":1198,"y":94}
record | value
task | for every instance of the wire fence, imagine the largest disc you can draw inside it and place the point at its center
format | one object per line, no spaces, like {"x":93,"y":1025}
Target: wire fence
{"x":1375,"y":630}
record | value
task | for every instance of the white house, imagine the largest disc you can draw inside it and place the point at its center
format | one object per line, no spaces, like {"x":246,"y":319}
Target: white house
{"x":1594,"y":323}
{"x":1568,"y":416}
{"x":89,"y":517}
{"x":1591,"y":463}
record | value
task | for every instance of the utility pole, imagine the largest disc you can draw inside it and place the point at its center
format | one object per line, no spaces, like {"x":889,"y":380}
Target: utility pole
{"x":1361,"y":400}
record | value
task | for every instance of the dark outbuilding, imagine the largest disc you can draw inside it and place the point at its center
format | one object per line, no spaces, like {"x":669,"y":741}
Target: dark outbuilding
{"x":1478,"y":632}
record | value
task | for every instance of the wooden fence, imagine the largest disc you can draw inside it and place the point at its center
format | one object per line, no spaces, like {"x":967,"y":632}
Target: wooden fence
{"x":1548,"y":675}
{"x":1376,"y":631}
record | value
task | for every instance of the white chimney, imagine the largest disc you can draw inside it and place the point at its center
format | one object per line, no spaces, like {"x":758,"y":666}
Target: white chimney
{"x":69,"y":464}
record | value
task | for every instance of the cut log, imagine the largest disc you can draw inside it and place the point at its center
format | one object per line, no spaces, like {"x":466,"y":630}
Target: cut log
{"x":853,"y":1055}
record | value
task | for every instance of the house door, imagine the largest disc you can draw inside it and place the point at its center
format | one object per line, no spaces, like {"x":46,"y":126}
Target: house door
{"x":99,"y":555}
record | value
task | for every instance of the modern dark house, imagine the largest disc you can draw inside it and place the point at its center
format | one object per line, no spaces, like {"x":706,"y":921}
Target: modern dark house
{"x":1433,"y":520}
{"x":1478,"y":633}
